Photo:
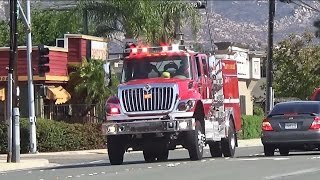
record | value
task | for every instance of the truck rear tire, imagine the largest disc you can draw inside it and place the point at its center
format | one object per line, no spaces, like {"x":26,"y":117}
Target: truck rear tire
{"x":116,"y":149}
{"x":228,"y":145}
{"x":195,"y":142}
{"x":163,"y":155}
{"x":215,"y":149}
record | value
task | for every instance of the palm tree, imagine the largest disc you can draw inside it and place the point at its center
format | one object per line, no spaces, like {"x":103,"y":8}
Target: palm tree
{"x":167,"y":18}
{"x":87,"y":85}
{"x":153,"y":20}
{"x":88,"y":82}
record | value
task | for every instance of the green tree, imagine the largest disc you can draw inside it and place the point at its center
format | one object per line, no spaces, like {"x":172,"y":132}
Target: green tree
{"x":155,"y":21}
{"x":296,"y":66}
{"x":47,"y":25}
{"x":88,"y":82}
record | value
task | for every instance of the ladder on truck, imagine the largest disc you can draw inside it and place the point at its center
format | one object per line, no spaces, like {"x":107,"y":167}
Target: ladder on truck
{"x":217,"y":113}
{"x":218,"y":94}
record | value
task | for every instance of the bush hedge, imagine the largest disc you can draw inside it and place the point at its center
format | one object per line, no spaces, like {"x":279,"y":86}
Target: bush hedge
{"x":56,"y":136}
{"x":251,"y":127}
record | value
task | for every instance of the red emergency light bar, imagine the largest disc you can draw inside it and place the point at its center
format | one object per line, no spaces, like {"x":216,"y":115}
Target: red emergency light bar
{"x":159,"y":49}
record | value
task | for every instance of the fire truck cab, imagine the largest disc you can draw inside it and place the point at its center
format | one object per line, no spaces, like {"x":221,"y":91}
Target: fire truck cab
{"x":171,"y":96}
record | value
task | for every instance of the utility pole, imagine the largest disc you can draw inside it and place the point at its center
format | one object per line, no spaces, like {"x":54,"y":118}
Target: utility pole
{"x":32,"y":117}
{"x":9,"y":94}
{"x":14,"y":64}
{"x":269,"y":90}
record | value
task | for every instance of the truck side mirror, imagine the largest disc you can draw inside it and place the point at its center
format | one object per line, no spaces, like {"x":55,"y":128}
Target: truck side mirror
{"x":107,"y":74}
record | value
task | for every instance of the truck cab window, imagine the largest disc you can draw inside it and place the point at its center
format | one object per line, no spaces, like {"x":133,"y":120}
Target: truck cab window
{"x":198,"y":68}
{"x":205,"y":65}
{"x":153,"y":67}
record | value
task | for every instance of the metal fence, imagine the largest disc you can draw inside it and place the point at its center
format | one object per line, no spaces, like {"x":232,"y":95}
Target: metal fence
{"x":76,"y":113}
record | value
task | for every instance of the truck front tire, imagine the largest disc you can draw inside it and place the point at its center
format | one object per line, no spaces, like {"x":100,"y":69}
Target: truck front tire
{"x":116,"y":149}
{"x":195,"y":142}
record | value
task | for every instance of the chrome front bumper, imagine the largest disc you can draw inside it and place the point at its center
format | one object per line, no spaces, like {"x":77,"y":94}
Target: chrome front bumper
{"x":148,"y":126}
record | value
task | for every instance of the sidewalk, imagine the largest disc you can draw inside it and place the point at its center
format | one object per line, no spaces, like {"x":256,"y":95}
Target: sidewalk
{"x":33,"y":161}
{"x":23,"y":164}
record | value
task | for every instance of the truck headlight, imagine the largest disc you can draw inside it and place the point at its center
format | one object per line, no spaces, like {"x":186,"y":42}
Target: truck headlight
{"x":183,"y":125}
{"x":112,"y":129}
{"x":186,"y":105}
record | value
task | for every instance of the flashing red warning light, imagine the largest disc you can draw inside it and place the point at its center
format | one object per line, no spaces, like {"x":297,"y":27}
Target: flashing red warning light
{"x":134,"y":50}
{"x":165,"y":48}
{"x":145,"y":49}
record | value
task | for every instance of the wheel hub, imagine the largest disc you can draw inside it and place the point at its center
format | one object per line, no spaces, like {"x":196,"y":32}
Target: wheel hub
{"x":201,"y":140}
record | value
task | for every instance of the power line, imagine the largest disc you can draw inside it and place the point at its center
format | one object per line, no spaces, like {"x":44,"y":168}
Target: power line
{"x":305,"y":5}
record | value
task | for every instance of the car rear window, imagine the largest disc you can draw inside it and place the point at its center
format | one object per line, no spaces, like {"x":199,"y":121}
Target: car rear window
{"x":295,"y":108}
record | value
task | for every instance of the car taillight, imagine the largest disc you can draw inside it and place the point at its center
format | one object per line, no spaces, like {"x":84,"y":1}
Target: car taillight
{"x":315,"y":124}
{"x":266,"y":125}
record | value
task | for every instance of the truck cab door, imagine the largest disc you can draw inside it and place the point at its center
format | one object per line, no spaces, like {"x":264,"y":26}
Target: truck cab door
{"x":200,"y":76}
{"x":206,"y":76}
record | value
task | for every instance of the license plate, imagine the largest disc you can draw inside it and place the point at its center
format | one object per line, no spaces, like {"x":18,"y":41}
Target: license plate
{"x":290,"y":126}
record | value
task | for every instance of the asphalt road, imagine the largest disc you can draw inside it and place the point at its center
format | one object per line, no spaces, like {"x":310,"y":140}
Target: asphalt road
{"x":249,"y":164}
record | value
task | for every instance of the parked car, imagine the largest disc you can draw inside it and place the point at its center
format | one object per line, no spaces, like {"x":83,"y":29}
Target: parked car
{"x":293,"y":125}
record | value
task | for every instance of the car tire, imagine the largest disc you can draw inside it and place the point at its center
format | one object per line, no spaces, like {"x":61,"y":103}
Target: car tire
{"x":149,"y":156}
{"x":215,"y":149}
{"x":284,"y":151}
{"x":228,"y":145}
{"x":268,"y":150}
{"x":195,"y":142}
{"x":116,"y":150}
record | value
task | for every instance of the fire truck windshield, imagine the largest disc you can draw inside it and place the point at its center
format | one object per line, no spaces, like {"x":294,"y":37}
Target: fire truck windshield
{"x":154,"y":67}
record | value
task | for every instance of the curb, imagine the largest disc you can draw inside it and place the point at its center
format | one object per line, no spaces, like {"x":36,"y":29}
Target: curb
{"x":23,"y":164}
{"x":249,"y":142}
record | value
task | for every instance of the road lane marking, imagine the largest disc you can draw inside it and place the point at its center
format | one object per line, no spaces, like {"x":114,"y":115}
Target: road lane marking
{"x":98,"y":161}
{"x":305,"y":171}
{"x":280,"y":159}
{"x":258,"y":159}
{"x":317,"y":157}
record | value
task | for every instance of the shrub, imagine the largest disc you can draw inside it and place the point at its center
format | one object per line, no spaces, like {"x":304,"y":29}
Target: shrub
{"x":57,"y":136}
{"x":258,"y":110}
{"x":251,"y":127}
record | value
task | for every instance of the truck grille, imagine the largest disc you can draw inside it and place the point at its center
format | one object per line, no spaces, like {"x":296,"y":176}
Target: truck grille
{"x":137,"y":99}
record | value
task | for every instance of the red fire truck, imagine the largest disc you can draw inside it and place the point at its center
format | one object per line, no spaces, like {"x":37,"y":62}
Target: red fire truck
{"x":171,"y":96}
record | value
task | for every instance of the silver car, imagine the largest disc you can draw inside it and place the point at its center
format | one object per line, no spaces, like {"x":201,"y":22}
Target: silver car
{"x":291,"y":125}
